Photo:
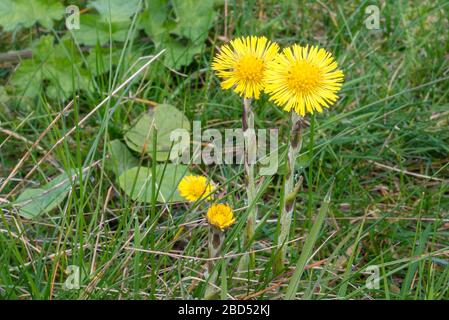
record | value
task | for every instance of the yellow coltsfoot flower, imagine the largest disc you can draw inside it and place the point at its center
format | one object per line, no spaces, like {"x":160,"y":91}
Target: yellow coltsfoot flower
{"x":194,"y":187}
{"x":220,"y":216}
{"x":304,"y":79}
{"x":242,"y":64}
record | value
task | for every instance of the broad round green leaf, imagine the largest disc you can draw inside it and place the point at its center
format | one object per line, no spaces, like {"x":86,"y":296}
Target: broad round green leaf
{"x":137,"y":183}
{"x":120,"y":159}
{"x":165,"y":119}
{"x":34,"y":202}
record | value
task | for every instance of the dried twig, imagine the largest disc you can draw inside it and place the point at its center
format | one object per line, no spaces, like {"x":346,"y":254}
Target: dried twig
{"x":417,"y":175}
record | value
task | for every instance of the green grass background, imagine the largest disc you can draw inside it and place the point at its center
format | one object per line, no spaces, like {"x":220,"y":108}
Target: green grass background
{"x":384,"y":147}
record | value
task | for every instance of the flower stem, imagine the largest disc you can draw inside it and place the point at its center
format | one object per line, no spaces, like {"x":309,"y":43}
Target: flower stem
{"x":310,"y":183}
{"x":250,"y":150}
{"x":290,"y":191}
{"x":215,"y":244}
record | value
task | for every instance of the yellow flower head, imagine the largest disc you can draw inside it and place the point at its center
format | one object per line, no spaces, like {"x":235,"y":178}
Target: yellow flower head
{"x":242,"y":64}
{"x":304,"y":79}
{"x":220,"y":216}
{"x":193,"y":188}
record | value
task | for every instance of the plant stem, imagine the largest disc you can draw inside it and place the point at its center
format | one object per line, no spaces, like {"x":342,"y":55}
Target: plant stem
{"x":290,"y":190}
{"x":310,"y":180}
{"x":248,"y":260}
{"x":215,"y":243}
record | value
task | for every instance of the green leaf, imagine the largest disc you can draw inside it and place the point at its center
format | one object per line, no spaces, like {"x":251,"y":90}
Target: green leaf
{"x":100,"y":60}
{"x":178,"y":54}
{"x":302,"y":162}
{"x":95,"y":31}
{"x":25,"y":13}
{"x":194,"y":18}
{"x":121,"y":159}
{"x":27,"y":79}
{"x":182,"y":36}
{"x":137,"y":182}
{"x":153,"y":19}
{"x":59,"y":65}
{"x":165,"y":119}
{"x":116,"y":10}
{"x":34,"y":202}
{"x":308,"y":247}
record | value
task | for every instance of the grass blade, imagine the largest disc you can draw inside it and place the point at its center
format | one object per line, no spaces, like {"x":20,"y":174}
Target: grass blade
{"x":308,"y":247}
